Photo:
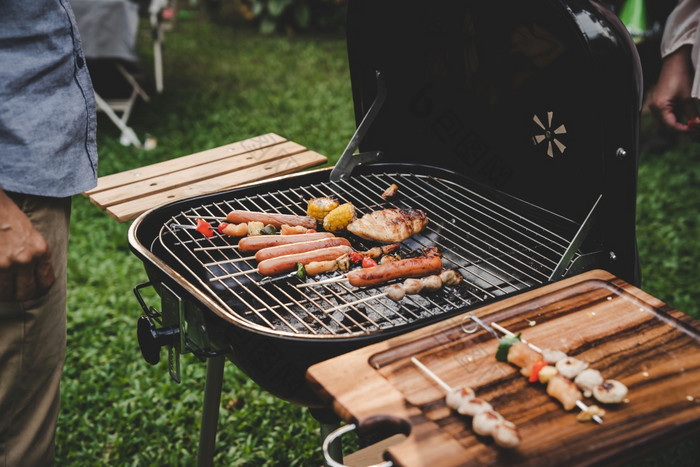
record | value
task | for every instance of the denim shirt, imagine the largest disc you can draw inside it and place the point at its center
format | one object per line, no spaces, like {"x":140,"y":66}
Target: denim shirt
{"x":47,"y":104}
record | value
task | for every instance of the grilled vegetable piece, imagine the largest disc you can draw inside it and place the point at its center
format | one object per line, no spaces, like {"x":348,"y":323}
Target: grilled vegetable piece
{"x":368,"y":262}
{"x":249,"y":244}
{"x":255,"y":228}
{"x":569,"y":367}
{"x":535,"y":370}
{"x":610,"y":392}
{"x":564,"y":390}
{"x":204,"y":228}
{"x":339,"y":218}
{"x":268,"y":230}
{"x":521,"y":355}
{"x":484,"y":422}
{"x":546,"y":373}
{"x":504,"y":345}
{"x":238,"y":216}
{"x":505,"y":434}
{"x":389,"y":225}
{"x":318,"y":208}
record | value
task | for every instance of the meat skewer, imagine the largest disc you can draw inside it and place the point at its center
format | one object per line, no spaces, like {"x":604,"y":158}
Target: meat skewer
{"x":426,"y":265}
{"x":561,"y":388}
{"x":589,"y":380}
{"x":287,"y":263}
{"x":485,"y":421}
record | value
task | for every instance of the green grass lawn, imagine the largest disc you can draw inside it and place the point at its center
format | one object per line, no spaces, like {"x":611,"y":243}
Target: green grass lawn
{"x":223,"y":84}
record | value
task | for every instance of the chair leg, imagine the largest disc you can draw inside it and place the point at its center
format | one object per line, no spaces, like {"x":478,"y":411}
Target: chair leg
{"x":128,"y":136}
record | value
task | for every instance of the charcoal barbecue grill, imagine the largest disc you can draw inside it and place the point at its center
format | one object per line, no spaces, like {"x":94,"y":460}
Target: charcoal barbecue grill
{"x":512,"y":125}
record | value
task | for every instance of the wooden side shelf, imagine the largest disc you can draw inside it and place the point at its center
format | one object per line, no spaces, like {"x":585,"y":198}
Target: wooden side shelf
{"x":127,"y":194}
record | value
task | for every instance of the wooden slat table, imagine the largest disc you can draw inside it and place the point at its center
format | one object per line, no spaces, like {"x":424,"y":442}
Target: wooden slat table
{"x":127,"y":194}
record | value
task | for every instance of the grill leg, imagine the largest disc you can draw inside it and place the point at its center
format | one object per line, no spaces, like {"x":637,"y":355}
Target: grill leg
{"x":210,"y":411}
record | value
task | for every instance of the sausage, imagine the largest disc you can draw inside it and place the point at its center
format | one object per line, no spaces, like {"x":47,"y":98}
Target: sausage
{"x":277,"y":220}
{"x":411,"y":267}
{"x":249,"y":244}
{"x":287,"y":263}
{"x":300,"y":247}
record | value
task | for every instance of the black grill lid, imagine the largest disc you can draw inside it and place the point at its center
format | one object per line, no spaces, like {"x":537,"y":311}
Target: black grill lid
{"x":530,"y":97}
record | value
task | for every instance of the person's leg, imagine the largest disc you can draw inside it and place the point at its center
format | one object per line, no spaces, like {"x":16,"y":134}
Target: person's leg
{"x":33,"y":347}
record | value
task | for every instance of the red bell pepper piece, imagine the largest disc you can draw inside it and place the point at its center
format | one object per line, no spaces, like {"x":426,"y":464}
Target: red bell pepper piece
{"x":204,"y":228}
{"x":222,"y":226}
{"x":368,"y":262}
{"x":355,"y":257}
{"x":535,"y":371}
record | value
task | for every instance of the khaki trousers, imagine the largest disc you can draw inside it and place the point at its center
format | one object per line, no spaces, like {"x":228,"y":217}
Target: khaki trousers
{"x":33,"y":348}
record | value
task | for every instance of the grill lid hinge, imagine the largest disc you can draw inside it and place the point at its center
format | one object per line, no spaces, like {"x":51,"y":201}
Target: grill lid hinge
{"x":349,"y":160}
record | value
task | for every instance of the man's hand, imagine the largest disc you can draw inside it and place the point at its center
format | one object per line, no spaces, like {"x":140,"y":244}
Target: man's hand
{"x":671,"y":98}
{"x":25,"y":261}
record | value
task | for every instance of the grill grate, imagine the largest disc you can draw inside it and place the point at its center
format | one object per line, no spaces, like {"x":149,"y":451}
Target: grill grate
{"x":500,"y":248}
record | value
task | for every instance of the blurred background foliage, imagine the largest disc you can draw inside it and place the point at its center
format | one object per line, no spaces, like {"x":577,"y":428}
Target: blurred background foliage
{"x":289,"y":16}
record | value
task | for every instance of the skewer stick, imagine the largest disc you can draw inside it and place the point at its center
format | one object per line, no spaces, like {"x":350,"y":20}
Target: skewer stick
{"x":331,"y":280}
{"x":229,"y":261}
{"x":234,"y":274}
{"x":579,"y":403}
{"x":214,"y":218}
{"x":432,"y":375}
{"x":356,"y":302}
{"x":508,"y":333}
{"x":221,"y":247}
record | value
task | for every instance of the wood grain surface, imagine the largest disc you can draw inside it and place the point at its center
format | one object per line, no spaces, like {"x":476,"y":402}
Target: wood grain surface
{"x":126,"y":195}
{"x":618,"y":329}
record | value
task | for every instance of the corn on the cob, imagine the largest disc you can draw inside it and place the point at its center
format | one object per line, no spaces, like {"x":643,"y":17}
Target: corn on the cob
{"x":339,"y":218}
{"x":318,"y":208}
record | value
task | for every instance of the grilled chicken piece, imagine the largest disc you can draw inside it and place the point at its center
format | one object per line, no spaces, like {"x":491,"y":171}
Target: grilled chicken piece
{"x":389,"y":225}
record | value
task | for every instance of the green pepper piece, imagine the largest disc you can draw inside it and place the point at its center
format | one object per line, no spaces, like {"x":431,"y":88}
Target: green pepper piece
{"x":301,"y":271}
{"x":504,"y":345}
{"x":268,"y":230}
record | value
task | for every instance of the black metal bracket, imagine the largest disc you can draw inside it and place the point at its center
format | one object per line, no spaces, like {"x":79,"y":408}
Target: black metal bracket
{"x":171,"y":334}
{"x":349,"y":160}
{"x":576,"y":242}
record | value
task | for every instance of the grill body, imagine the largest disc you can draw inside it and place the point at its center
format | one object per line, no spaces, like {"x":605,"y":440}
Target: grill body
{"x":516,"y":131}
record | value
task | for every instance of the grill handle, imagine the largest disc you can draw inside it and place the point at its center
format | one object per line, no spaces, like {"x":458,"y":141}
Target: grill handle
{"x":382,"y":425}
{"x":150,"y":338}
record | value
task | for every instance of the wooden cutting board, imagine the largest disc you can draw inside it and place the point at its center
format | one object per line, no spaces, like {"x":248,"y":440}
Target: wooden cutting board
{"x":618,"y":329}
